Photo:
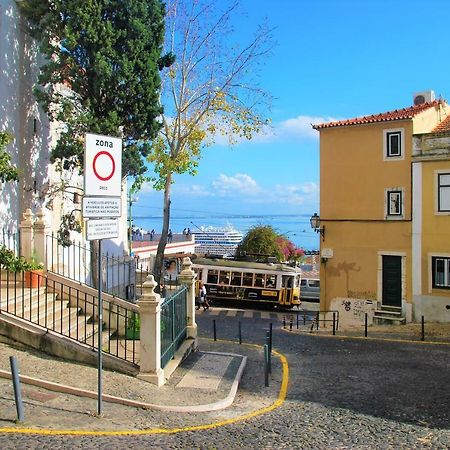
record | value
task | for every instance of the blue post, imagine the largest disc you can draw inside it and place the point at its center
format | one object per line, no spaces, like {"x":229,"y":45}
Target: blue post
{"x":240,"y":332}
{"x":17,"y":391}
{"x":215,"y":332}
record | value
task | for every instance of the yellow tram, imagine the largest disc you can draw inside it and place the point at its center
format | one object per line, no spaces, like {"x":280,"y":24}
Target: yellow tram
{"x":265,"y":283}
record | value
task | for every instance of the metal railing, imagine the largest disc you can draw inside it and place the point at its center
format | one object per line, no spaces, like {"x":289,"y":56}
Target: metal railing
{"x":71,"y":312}
{"x":311,"y":319}
{"x":74,"y":262}
{"x":173,"y":324}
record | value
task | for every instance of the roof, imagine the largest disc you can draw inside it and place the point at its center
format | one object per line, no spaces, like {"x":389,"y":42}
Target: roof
{"x":398,"y":114}
{"x":244,"y":265}
{"x":443,"y":127}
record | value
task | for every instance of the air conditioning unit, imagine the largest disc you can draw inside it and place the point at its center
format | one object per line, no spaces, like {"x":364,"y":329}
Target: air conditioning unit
{"x":424,"y":97}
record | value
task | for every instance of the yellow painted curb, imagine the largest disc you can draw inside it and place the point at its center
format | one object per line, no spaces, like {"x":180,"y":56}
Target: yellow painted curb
{"x":368,"y":338}
{"x":280,"y":400}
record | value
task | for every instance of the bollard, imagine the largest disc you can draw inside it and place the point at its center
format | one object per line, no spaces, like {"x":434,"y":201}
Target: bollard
{"x":365,"y":325}
{"x":304,"y":318}
{"x":422,"y":338}
{"x":269,"y":358}
{"x":215,"y":332}
{"x":17,"y":390}
{"x":290,"y":324}
{"x":317,"y":320}
{"x":284,"y":322}
{"x":270,"y":343}
{"x":240,"y":332}
{"x":266,"y":365}
{"x":297,"y":320}
{"x":334,"y":324}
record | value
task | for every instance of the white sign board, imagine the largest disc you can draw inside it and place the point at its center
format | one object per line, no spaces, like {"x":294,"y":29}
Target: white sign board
{"x":102,"y":165}
{"x":102,"y":229}
{"x":101,"y":207}
{"x":327,"y":253}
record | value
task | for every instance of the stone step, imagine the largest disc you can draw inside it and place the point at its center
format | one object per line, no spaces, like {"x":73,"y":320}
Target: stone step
{"x":382,"y":312}
{"x":390,"y":318}
{"x":391,"y":308}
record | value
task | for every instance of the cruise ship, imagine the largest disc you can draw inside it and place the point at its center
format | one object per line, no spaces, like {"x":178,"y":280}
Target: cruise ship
{"x":217,"y":240}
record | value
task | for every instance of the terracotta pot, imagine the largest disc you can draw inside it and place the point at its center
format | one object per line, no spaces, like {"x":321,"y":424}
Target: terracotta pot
{"x":34,"y":278}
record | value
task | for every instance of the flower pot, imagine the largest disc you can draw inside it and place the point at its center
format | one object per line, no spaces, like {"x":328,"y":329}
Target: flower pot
{"x":34,"y":278}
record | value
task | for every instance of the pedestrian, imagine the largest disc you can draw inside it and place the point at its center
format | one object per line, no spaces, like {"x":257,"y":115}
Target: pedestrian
{"x":141,"y":234}
{"x":152,"y":234}
{"x":169,"y":236}
{"x":203,"y":297}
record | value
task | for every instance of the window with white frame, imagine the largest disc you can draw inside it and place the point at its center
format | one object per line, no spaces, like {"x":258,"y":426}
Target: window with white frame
{"x":393,"y":144}
{"x":394,"y":203}
{"x":441,"y":272}
{"x":443,"y":180}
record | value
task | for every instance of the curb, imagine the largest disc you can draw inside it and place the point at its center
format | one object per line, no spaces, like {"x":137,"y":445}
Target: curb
{"x":220,"y":404}
{"x":152,"y":431}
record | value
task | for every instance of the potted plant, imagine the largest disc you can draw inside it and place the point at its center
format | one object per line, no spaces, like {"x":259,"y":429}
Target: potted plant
{"x":33,"y":272}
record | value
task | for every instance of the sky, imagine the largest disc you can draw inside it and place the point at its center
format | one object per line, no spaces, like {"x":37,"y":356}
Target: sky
{"x":333,"y":59}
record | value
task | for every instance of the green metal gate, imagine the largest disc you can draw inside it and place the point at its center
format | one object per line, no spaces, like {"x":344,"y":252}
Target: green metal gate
{"x":173,"y":324}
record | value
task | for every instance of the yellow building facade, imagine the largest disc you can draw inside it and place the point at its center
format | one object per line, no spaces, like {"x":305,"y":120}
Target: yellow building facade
{"x":368,"y":211}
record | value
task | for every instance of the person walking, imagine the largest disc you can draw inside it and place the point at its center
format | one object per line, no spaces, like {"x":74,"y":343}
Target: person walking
{"x":203,"y":297}
{"x":169,"y":236}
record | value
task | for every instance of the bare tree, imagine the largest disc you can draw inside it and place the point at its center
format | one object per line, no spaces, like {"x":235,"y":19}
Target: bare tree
{"x":210,"y":91}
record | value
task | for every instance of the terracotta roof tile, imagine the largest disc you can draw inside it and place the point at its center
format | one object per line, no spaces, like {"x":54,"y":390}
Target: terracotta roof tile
{"x":398,"y":114}
{"x":443,"y":127}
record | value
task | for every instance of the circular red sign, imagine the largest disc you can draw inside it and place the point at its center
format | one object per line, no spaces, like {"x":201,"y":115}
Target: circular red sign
{"x":104,"y":152}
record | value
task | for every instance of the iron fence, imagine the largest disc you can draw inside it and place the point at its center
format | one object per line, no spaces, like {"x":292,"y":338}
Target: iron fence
{"x":173,"y":324}
{"x":70,"y":312}
{"x":74,"y":263}
{"x":11,"y":240}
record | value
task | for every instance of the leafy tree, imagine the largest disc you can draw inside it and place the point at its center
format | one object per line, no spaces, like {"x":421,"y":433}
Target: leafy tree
{"x":261,"y":241}
{"x":101,"y":73}
{"x":7,"y":171}
{"x":209,"y":91}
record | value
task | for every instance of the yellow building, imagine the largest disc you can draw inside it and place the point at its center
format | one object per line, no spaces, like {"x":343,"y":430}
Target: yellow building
{"x":381,"y":229}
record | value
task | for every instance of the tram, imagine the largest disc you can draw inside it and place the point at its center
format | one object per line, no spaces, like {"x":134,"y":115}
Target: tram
{"x":242,"y":281}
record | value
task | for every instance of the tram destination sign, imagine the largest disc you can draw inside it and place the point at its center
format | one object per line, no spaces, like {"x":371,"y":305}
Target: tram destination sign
{"x":101,"y":207}
{"x":102,"y":229}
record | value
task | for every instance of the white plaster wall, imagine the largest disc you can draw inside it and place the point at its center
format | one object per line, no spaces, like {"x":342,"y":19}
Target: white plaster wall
{"x":432,"y":307}
{"x":18,"y":113}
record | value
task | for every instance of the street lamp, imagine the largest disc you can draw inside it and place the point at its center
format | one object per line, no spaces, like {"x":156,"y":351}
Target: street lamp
{"x":315,"y":225}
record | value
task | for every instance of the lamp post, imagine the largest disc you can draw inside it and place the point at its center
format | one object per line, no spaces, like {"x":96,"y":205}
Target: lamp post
{"x":315,"y":225}
{"x":131,"y":200}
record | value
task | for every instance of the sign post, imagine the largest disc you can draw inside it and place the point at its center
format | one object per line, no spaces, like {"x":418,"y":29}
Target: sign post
{"x":102,"y":206}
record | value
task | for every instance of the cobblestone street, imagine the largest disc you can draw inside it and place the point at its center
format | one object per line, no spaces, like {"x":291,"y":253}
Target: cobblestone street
{"x":342,"y":393}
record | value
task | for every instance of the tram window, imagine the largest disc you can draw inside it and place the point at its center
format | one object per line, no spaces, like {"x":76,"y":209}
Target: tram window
{"x":247,"y":279}
{"x":212,"y":276}
{"x":236,"y":278}
{"x":224,"y":277}
{"x":260,"y":280}
{"x":287,"y":281}
{"x":199,"y":274}
{"x":271,"y":281}
{"x":303,"y":283}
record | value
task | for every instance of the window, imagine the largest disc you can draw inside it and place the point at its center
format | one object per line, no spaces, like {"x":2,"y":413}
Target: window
{"x":394,"y":203}
{"x":236,"y":278}
{"x":212,"y":276}
{"x":394,"y":144}
{"x":224,"y":278}
{"x":443,"y":192}
{"x":441,"y":272}
{"x":247,"y":279}
{"x":260,"y":280}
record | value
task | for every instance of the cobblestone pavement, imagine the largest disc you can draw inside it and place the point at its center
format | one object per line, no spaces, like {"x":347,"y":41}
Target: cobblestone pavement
{"x":342,"y":394}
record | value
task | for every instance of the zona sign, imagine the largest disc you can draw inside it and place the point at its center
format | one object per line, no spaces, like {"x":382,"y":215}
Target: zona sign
{"x":102,"y":166}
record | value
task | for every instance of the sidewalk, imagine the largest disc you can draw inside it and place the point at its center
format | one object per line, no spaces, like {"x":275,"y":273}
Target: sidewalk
{"x":203,"y":386}
{"x":434,"y":332}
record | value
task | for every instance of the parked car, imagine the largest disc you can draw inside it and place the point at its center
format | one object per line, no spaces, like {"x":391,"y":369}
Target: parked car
{"x":310,"y":290}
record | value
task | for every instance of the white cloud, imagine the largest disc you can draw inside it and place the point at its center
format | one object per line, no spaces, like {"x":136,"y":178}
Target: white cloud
{"x":194,"y":190}
{"x":240,"y":183}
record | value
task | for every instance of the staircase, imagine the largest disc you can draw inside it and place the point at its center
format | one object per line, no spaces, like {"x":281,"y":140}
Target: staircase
{"x":389,"y":315}
{"x":60,"y":318}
